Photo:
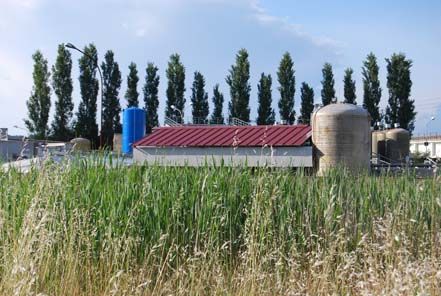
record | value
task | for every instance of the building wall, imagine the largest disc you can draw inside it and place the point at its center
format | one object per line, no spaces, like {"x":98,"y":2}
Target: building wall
{"x":433,"y":149}
{"x":253,"y":157}
{"x":10,"y":150}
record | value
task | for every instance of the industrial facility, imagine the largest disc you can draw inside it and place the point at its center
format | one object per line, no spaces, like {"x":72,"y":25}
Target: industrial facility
{"x":275,"y":146}
{"x":340,"y":135}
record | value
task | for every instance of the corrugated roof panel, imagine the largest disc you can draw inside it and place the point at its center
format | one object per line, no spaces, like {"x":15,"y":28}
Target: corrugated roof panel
{"x":224,"y":136}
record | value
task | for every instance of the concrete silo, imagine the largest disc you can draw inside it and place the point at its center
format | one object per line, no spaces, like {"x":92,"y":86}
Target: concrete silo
{"x":342,"y":137}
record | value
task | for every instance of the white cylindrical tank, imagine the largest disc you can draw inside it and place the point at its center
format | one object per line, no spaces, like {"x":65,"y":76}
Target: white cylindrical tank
{"x":341,"y":136}
{"x":80,"y":145}
{"x":397,"y":145}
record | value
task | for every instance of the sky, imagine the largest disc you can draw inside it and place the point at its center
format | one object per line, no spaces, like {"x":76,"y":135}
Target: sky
{"x":208,"y":33}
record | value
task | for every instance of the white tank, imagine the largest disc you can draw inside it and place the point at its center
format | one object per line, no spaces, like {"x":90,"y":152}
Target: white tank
{"x":341,"y":136}
{"x":80,"y":145}
{"x":397,"y":145}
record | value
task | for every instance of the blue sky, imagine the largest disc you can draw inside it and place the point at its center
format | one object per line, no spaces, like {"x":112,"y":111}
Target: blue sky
{"x":208,"y":33}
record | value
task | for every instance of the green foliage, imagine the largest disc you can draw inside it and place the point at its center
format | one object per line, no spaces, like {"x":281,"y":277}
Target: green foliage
{"x":371,"y":88}
{"x":217,"y":117}
{"x":328,"y":91}
{"x":132,"y":86}
{"x":86,"y":125}
{"x":175,"y":87}
{"x":240,"y":88}
{"x":349,"y":87}
{"x":307,"y":103}
{"x":89,"y":228}
{"x":39,"y":102}
{"x":401,"y":108}
{"x":287,"y":89}
{"x":111,"y":107}
{"x":62,"y":86}
{"x":199,"y":100}
{"x":151,"y":100}
{"x":265,"y":113}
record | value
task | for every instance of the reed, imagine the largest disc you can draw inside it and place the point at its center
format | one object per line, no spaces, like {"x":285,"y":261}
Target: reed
{"x":86,"y":229}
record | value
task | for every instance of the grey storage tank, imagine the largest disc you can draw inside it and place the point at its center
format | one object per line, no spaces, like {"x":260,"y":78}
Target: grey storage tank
{"x":397,"y":145}
{"x":342,"y":137}
{"x":378,"y":144}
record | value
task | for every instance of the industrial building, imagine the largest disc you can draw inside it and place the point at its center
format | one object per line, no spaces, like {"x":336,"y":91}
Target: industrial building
{"x":274,"y":146}
{"x":429,"y":145}
{"x":340,"y":135}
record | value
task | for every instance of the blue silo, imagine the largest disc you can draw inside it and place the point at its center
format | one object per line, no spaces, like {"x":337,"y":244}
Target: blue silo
{"x":133,"y":128}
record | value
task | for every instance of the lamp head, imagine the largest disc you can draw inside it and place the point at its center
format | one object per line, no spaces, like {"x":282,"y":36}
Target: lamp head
{"x":70,"y":45}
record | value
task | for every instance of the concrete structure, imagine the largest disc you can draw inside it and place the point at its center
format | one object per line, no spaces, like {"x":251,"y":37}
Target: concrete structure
{"x":432,"y":149}
{"x":342,"y":137}
{"x":254,"y":146}
{"x":12,"y":147}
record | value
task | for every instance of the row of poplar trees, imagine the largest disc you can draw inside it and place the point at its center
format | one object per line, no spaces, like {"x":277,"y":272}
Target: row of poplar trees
{"x":64,"y":125}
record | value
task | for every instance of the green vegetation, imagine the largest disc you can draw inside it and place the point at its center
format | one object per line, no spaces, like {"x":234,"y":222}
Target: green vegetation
{"x":401,"y":108}
{"x":265,"y":112}
{"x":240,"y":88}
{"x":328,"y":90}
{"x":371,"y":88}
{"x":39,"y":103}
{"x":84,"y":229}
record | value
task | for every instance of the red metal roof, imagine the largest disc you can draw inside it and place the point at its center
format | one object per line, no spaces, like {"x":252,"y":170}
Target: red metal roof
{"x":226,"y":136}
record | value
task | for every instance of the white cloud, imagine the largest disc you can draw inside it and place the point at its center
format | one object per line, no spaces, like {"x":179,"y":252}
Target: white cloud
{"x":21,"y":4}
{"x":283,"y":23}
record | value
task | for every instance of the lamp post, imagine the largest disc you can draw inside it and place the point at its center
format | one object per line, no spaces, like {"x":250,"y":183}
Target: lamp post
{"x":426,"y":143}
{"x":95,"y":60}
{"x":173,"y":107}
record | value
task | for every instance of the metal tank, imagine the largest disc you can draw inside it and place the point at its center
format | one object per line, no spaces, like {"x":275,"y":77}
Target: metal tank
{"x":342,"y":137}
{"x":133,"y":128}
{"x":80,"y":145}
{"x":378,"y":144}
{"x":397,"y":145}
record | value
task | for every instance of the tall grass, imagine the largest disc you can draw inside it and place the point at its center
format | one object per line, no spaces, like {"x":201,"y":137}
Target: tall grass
{"x":85,"y":229}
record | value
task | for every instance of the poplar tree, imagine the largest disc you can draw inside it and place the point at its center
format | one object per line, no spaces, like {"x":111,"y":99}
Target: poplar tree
{"x":401,"y":109}
{"x":240,"y":88}
{"x":39,"y":102}
{"x":217,"y":117}
{"x":287,"y":88}
{"x":132,"y":86}
{"x":111,"y":107}
{"x":266,"y":115}
{"x":63,"y":87}
{"x":86,"y":125}
{"x":307,"y":103}
{"x":175,"y":87}
{"x":199,"y":99}
{"x":151,"y":100}
{"x":328,"y":91}
{"x":371,"y":88}
{"x":349,"y":87}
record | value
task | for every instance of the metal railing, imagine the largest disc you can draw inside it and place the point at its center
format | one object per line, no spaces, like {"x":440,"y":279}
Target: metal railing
{"x":428,"y":136}
{"x":171,"y":122}
{"x":237,"y":122}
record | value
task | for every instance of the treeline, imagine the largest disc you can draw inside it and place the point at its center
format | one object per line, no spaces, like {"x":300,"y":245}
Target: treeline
{"x":65,"y":125}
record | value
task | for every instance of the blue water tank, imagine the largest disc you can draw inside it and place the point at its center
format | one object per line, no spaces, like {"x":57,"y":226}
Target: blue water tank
{"x":133,"y":128}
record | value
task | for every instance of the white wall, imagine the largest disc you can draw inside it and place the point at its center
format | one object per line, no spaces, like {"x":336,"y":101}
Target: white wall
{"x":253,"y":157}
{"x":434,"y":147}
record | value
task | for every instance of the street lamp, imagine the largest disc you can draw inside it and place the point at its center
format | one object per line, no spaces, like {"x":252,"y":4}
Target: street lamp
{"x":426,"y":143}
{"x":95,"y":60}
{"x":173,"y":107}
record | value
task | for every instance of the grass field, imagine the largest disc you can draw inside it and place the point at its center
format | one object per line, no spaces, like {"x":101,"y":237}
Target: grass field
{"x":82,"y":229}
